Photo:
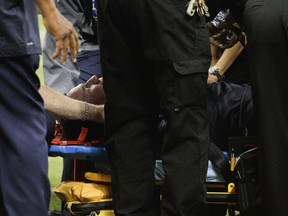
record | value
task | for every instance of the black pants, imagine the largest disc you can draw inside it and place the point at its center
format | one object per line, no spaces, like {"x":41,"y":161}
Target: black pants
{"x":24,"y":184}
{"x":266,"y":25}
{"x":154,"y":56}
{"x":133,"y":142}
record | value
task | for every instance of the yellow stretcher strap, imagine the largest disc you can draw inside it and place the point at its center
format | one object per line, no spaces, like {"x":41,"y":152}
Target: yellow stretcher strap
{"x":97,"y":177}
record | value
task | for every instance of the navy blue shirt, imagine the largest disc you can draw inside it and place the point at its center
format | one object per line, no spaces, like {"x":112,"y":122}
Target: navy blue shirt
{"x":19,"y":33}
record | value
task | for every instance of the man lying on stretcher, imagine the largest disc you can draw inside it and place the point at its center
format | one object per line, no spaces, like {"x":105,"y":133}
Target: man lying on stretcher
{"x":73,"y":107}
{"x":89,"y":96}
{"x":83,"y":106}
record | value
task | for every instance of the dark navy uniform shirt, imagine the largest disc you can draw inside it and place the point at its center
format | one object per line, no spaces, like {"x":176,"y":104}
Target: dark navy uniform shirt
{"x":19,"y":34}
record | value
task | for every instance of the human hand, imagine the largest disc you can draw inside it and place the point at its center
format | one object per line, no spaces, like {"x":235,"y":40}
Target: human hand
{"x":212,"y":78}
{"x":65,"y":35}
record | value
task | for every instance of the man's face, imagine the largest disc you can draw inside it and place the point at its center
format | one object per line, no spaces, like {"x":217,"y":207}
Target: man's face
{"x":92,"y":91}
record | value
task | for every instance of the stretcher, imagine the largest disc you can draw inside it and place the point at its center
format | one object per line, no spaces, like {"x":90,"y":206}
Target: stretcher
{"x":222,"y":189}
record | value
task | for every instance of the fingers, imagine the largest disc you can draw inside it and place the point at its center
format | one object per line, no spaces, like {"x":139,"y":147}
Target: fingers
{"x":61,"y":50}
{"x":74,"y":45}
{"x":211,"y":79}
{"x":66,"y":44}
{"x":64,"y":51}
{"x":56,"y":52}
{"x":66,"y":37}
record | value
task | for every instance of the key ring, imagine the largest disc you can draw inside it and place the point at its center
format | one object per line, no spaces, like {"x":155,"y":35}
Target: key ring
{"x":199,"y":6}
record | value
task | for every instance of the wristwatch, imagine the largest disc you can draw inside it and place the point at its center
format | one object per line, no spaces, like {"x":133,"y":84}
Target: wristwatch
{"x":216,"y":72}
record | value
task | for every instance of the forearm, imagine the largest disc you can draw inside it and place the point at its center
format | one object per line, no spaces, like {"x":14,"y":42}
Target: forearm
{"x":228,"y":57}
{"x":68,"y":108}
{"x":46,"y":7}
{"x":215,"y":54}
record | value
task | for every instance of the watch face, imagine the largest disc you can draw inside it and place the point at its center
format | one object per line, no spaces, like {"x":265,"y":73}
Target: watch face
{"x":216,"y":72}
{"x":214,"y":69}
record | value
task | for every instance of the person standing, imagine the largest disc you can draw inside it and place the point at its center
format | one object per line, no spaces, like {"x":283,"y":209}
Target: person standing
{"x":162,"y":54}
{"x":266,"y":26}
{"x":24,"y":184}
{"x":63,"y":77}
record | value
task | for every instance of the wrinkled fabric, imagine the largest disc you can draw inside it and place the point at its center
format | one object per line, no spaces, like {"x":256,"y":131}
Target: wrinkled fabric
{"x":230,"y":111}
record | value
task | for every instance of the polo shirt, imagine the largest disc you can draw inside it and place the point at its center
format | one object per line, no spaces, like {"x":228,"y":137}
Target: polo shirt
{"x":19,"y":33}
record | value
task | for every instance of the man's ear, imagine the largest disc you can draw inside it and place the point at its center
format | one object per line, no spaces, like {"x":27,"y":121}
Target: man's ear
{"x":77,"y":92}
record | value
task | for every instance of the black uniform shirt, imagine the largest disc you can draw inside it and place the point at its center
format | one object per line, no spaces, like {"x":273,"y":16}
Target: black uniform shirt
{"x":162,"y":30}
